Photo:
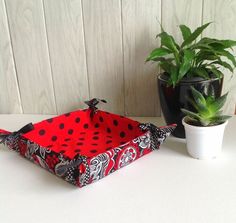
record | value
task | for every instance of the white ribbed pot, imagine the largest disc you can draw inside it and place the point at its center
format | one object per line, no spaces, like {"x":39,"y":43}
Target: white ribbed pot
{"x":204,"y":142}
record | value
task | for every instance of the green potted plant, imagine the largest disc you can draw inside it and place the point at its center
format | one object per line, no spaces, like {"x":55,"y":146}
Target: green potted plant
{"x":194,"y":62}
{"x":205,"y":124}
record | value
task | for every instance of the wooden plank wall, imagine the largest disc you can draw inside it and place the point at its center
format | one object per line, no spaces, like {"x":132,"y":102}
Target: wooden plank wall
{"x":54,"y":54}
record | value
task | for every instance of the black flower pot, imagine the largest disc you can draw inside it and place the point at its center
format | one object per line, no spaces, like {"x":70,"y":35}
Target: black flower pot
{"x":173,"y":99}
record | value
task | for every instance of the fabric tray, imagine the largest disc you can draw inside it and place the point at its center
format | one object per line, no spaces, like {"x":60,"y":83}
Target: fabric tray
{"x":83,"y":146}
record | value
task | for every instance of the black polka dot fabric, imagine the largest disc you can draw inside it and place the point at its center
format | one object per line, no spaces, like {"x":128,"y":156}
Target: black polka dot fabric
{"x":70,"y":131}
{"x":54,"y":138}
{"x":86,"y":126}
{"x":115,"y":122}
{"x":76,"y":132}
{"x":42,"y":132}
{"x":62,"y":126}
{"x":122,"y":134}
{"x":77,"y":120}
{"x":50,"y":120}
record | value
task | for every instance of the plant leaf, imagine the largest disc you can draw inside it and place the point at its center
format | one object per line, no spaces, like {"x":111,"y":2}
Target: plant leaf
{"x":158,"y":52}
{"x":198,"y":97}
{"x":217,"y":44}
{"x":201,"y":72}
{"x":218,"y":103}
{"x":219,"y":119}
{"x":186,"y":32}
{"x":215,"y":71}
{"x":186,"y":64}
{"x":173,"y":75}
{"x":201,"y":46}
{"x":228,"y":43}
{"x":205,"y":55}
{"x":228,"y":55}
{"x":166,"y":66}
{"x":195,"y":34}
{"x":190,"y":114}
{"x":204,"y":122}
{"x":223,"y":64}
{"x":211,"y":94}
{"x":168,"y":41}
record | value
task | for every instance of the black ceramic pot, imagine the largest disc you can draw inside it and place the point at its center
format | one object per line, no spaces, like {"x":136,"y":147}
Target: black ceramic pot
{"x":173,"y":99}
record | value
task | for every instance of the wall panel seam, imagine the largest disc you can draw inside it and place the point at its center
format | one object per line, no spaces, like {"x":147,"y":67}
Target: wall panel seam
{"x":85,"y":49}
{"x":13,"y":58}
{"x":202,"y":13}
{"x":49,"y":56}
{"x":122,"y":48}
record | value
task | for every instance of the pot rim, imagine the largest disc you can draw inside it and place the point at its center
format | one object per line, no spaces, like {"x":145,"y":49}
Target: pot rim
{"x":183,"y":82}
{"x":202,"y":127}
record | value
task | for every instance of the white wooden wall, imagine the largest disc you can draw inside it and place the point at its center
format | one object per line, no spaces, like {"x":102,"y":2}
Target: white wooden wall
{"x":54,"y":54}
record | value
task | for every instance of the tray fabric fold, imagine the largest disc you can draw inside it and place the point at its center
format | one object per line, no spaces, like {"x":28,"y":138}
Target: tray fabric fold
{"x":85,"y":145}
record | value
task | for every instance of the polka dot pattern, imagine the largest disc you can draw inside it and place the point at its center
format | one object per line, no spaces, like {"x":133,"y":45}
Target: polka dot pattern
{"x":130,"y":127}
{"x":115,"y":123}
{"x":61,"y":126}
{"x":70,"y":131}
{"x":101,"y":119}
{"x":42,"y":132}
{"x":54,"y":138}
{"x":50,"y":120}
{"x":122,"y":134}
{"x":75,"y":132}
{"x":96,"y":125}
{"x":77,"y":120}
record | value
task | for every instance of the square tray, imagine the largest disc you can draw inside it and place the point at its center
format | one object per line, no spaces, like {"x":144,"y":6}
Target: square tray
{"x":84,"y":146}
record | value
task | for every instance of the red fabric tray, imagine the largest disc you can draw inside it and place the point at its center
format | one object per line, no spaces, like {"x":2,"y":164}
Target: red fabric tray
{"x":85,"y":145}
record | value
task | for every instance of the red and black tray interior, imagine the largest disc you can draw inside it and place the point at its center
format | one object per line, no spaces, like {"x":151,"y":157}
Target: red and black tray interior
{"x":76,"y":132}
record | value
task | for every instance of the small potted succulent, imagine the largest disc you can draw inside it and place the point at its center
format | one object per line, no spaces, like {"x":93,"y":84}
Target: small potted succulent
{"x":204,"y":124}
{"x":197,"y":61}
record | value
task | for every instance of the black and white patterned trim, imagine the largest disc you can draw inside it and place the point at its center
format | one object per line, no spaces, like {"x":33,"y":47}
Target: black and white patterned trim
{"x":157,"y":135}
{"x":11,"y":139}
{"x":85,"y":177}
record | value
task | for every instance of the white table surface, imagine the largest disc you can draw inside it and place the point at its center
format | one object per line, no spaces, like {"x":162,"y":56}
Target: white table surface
{"x":166,"y":186}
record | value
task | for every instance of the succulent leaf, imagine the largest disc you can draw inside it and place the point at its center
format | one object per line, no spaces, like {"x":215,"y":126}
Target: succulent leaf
{"x":218,"y":103}
{"x":208,"y":108}
{"x":198,"y":97}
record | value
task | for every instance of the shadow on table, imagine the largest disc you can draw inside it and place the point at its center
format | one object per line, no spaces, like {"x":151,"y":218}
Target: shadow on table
{"x":177,"y":145}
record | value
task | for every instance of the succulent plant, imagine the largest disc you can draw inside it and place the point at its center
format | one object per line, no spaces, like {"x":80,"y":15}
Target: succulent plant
{"x":194,"y":57}
{"x":208,"y":109}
